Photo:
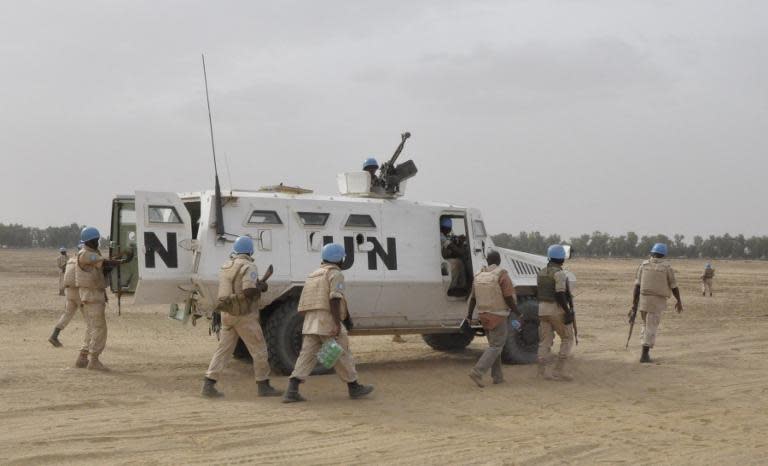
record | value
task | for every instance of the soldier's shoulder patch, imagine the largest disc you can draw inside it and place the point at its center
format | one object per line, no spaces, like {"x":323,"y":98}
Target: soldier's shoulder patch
{"x":340,"y":286}
{"x":94,"y":257}
{"x":254,"y":275}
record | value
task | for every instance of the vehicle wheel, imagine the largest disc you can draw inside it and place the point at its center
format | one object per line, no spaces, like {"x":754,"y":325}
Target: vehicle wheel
{"x":283,"y":335}
{"x":448,"y":341}
{"x":522,"y":346}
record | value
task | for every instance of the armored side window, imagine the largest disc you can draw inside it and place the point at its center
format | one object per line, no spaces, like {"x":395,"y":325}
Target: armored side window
{"x":313,"y":219}
{"x":264,"y":217}
{"x":163,"y":214}
{"x":360,"y":221}
{"x":478,"y":227}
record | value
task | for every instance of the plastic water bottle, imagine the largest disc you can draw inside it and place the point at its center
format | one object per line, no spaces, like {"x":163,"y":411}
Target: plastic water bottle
{"x":329,"y":353}
{"x":516,"y":324}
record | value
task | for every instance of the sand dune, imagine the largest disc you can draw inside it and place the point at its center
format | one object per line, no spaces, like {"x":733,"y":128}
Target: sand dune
{"x":705,"y":401}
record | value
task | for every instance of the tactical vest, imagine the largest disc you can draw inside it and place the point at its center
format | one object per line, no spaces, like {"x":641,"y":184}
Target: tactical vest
{"x":709,"y":273}
{"x":653,"y":279}
{"x":230,"y":297}
{"x":545,"y":283}
{"x":88,"y":276}
{"x":317,"y":291}
{"x":488,"y":291}
{"x":69,"y":273}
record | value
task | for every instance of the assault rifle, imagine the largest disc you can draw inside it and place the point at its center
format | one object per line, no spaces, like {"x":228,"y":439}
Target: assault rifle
{"x":573,"y":311}
{"x":391,"y":175}
{"x":632,"y":317}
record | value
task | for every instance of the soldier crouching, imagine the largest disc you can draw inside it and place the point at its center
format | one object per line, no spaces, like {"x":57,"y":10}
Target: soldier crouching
{"x":325,"y":309}
{"x":238,"y":302}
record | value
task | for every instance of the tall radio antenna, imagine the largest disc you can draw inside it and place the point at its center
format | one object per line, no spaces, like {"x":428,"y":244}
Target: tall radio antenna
{"x":219,"y":212}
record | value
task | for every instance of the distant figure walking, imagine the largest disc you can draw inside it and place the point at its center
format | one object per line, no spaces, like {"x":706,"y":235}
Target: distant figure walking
{"x":706,"y":280}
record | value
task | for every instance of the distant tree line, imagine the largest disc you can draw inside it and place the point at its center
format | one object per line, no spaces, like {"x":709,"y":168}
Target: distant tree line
{"x":600,"y":244}
{"x":19,"y":236}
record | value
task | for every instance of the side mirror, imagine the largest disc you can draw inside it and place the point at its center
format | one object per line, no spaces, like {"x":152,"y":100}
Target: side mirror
{"x":568,"y":250}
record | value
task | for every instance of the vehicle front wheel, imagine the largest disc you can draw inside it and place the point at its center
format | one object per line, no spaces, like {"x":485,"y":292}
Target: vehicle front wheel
{"x":448,"y":341}
{"x":283,"y":334}
{"x":523,"y":345}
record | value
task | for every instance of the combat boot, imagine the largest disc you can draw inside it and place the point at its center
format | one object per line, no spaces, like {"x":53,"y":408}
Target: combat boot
{"x":54,"y":338}
{"x":559,"y":372}
{"x":544,"y":370}
{"x":95,"y":365}
{"x":292,"y":394}
{"x":646,"y":357}
{"x":357,"y":390}
{"x":82,"y":360}
{"x":209,"y":389}
{"x":265,"y":389}
{"x":477,"y":378}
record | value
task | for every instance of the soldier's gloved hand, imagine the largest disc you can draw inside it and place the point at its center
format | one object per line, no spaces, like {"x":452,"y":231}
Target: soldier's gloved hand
{"x":568,"y":319}
{"x":263,"y":287}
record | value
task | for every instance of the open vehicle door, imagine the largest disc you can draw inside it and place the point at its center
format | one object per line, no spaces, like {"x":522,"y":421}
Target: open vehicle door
{"x":123,"y":240}
{"x":164,"y":248}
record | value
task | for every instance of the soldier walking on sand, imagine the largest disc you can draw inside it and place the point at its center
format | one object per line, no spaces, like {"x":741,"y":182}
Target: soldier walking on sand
{"x":494,"y":295}
{"x":238,"y":302}
{"x":556,"y":315}
{"x":654,"y":284}
{"x":706,"y":280}
{"x":325,"y":313}
{"x":91,"y":285}
{"x":72,"y":305}
{"x":61,"y":263}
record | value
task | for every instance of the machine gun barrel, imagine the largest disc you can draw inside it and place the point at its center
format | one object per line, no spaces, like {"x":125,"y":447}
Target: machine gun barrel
{"x":399,"y":149}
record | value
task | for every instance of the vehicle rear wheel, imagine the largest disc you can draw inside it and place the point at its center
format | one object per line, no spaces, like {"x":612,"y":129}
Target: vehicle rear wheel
{"x":523,"y":345}
{"x":448,"y":341}
{"x":283,"y":335}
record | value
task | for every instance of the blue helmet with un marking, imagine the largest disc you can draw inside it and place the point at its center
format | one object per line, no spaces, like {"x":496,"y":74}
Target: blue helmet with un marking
{"x":556,"y":252}
{"x":333,"y":253}
{"x":89,"y":234}
{"x":659,"y":248}
{"x":243,"y":245}
{"x":370,"y":162}
{"x":446,"y":222}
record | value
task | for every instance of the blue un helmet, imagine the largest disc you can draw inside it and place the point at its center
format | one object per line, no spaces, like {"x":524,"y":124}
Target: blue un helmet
{"x":659,"y":248}
{"x":333,"y":253}
{"x":89,"y":234}
{"x":370,"y":162}
{"x":556,"y":252}
{"x":446,"y":222}
{"x":243,"y":245}
{"x":708,"y":266}
{"x":62,"y":249}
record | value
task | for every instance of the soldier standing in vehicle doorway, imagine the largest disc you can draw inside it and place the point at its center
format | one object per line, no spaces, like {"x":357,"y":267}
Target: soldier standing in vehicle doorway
{"x":454,"y":251}
{"x":494,"y":295}
{"x":706,"y":280}
{"x":326,"y":317}
{"x":556,"y":315}
{"x":238,"y":302}
{"x":72,"y":305}
{"x":91,"y":285}
{"x":61,"y":263}
{"x":654,"y":284}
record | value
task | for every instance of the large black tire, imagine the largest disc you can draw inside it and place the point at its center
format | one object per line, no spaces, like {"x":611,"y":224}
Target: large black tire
{"x":522,"y":346}
{"x":448,"y":341}
{"x":283,"y":335}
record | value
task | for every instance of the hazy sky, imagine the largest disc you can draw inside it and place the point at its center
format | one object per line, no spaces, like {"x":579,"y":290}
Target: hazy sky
{"x":558,"y":116}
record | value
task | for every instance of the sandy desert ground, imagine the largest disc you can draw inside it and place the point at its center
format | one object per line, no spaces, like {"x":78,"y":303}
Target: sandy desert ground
{"x":705,"y":401}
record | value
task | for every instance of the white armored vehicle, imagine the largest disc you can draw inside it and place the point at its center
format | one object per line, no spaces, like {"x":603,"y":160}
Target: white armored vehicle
{"x":397,"y":279}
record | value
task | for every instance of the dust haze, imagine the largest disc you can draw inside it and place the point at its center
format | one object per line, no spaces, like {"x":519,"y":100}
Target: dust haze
{"x":562,"y":117}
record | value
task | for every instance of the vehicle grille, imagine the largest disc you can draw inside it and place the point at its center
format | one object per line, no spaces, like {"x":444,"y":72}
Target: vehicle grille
{"x":523,"y":268}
